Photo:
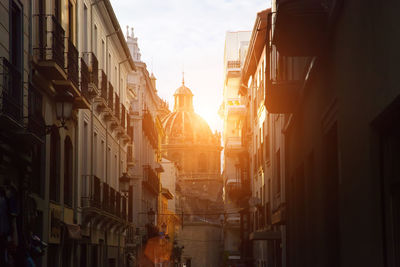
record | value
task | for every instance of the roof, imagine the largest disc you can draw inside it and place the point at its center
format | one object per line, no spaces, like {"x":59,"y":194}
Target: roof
{"x":256,"y":45}
{"x":183,"y":90}
{"x":186,"y":125}
{"x":119,"y":33}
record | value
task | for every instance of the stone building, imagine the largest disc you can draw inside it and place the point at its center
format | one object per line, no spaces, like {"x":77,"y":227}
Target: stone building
{"x":190,"y":143}
{"x":144,"y":165}
{"x":233,"y":111}
{"x":63,"y":85}
{"x":265,"y":143}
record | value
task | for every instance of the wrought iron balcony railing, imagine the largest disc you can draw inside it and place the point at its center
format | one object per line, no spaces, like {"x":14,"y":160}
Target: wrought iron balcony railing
{"x":117,"y":107}
{"x":11,"y":91}
{"x":50,"y":44}
{"x":150,"y":179}
{"x":110,"y":96}
{"x":72,"y":64}
{"x":103,"y":85}
{"x":91,"y":191}
{"x":150,"y":129}
{"x":93,"y":67}
{"x":123,"y":116}
{"x":85,"y":77}
{"x":233,"y":64}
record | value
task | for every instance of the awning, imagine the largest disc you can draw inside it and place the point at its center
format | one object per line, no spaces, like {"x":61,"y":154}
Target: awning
{"x":73,"y":231}
{"x":265,"y":235}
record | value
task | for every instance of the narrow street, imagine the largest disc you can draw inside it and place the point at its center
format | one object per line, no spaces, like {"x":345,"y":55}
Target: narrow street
{"x":199,"y":133}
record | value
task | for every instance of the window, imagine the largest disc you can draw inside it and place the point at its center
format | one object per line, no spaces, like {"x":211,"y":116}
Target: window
{"x":103,"y":55}
{"x":95,"y":41}
{"x":278,"y":171}
{"x":71,"y":33}
{"x":85,"y":28}
{"x":85,"y":149}
{"x":95,"y":156}
{"x":102,"y":158}
{"x":55,"y":166}
{"x":68,"y":171}
{"x":16,"y":35}
{"x":57,"y":9}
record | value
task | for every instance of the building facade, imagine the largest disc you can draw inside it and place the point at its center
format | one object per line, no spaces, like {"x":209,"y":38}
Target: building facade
{"x":267,"y":156}
{"x":144,"y":166}
{"x":233,"y":113}
{"x":64,"y":70}
{"x":341,"y":95}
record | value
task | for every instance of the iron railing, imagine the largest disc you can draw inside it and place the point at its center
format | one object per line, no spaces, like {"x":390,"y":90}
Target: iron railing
{"x":123,"y":117}
{"x":93,"y":67}
{"x":50,"y":43}
{"x":110,"y":96}
{"x":233,"y":64}
{"x":103,"y":85}
{"x":117,"y":107}
{"x":150,"y":179}
{"x":11,"y":91}
{"x":91,"y":191}
{"x":85,"y":76}
{"x":100,"y":195}
{"x":72,"y":64}
{"x":112,"y":205}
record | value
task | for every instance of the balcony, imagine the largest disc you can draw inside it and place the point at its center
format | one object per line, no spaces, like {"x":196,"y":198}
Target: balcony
{"x":49,"y":47}
{"x":102,"y":100}
{"x":237,"y":190}
{"x":110,"y":99}
{"x":129,"y":157}
{"x":300,"y":26}
{"x":11,"y":96}
{"x":285,"y":78}
{"x":71,"y":84}
{"x":236,"y":110}
{"x":91,"y":192}
{"x":232,"y":144}
{"x":149,"y":129}
{"x":110,"y":115}
{"x":233,"y":65}
{"x":150,"y":180}
{"x":101,"y":202}
{"x":93,"y":73}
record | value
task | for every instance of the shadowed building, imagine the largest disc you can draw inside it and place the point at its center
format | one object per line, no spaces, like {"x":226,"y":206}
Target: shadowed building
{"x":190,"y":143}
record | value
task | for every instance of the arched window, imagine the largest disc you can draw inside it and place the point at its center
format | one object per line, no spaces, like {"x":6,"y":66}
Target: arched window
{"x":55,"y":165}
{"x":68,"y":171}
{"x":202,"y":162}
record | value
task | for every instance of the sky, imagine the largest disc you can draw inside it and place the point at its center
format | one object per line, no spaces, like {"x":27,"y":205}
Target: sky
{"x":187,"y":35}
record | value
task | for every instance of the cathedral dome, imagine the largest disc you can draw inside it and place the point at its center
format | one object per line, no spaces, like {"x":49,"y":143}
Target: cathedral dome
{"x":186,"y":125}
{"x":183,"y":124}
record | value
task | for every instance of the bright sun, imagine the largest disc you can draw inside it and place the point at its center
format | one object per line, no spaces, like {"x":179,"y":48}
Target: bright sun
{"x":211,"y":116}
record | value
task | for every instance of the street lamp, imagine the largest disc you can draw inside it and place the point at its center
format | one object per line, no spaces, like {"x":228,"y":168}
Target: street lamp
{"x":124,"y":183}
{"x":64,"y":104}
{"x":64,"y":107}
